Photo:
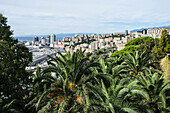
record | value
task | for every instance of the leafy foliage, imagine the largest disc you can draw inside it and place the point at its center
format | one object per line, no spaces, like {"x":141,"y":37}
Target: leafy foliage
{"x":140,"y":40}
{"x":155,"y":88}
{"x":163,"y":46}
{"x":133,"y":45}
{"x":14,"y":79}
{"x":8,"y":108}
{"x":69,"y":85}
{"x":103,"y":53}
{"x":82,"y":85}
{"x":129,"y":49}
{"x":135,"y":63}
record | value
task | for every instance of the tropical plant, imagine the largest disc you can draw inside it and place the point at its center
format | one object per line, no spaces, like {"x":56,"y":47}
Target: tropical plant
{"x":41,"y":81}
{"x":69,"y":88}
{"x":8,"y":108}
{"x":120,"y":96}
{"x":104,"y":53}
{"x":135,"y":63}
{"x":155,"y":87}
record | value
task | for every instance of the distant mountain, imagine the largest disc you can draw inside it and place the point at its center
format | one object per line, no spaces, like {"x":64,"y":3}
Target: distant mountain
{"x":58,"y":36}
{"x":168,"y":27}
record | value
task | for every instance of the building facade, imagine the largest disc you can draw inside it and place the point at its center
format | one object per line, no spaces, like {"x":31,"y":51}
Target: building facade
{"x":43,"y":41}
{"x":35,"y":39}
{"x":52,"y":39}
{"x":155,"y":32}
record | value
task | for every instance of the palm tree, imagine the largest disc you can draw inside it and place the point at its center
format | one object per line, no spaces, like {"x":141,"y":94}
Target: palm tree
{"x":8,"y":108}
{"x":103,"y":53}
{"x":119,"y":97}
{"x":37,"y":80}
{"x":41,"y":82}
{"x":135,"y":63}
{"x":106,"y":66}
{"x":156,"y":88}
{"x":69,"y":90}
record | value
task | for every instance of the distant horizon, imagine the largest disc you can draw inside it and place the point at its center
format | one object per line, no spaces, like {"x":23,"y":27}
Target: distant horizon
{"x":51,"y":33}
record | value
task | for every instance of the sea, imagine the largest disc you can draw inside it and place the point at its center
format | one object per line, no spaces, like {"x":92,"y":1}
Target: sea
{"x":58,"y":36}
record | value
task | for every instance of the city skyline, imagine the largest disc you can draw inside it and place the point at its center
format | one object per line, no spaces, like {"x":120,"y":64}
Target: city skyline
{"x":91,"y":16}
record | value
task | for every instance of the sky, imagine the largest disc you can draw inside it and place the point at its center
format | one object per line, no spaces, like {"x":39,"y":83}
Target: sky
{"x":43,"y":17}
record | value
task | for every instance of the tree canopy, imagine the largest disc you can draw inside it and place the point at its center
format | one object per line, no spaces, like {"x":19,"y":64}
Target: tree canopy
{"x":140,"y":40}
{"x":134,"y":44}
{"x":14,"y":80}
{"x":163,"y":45}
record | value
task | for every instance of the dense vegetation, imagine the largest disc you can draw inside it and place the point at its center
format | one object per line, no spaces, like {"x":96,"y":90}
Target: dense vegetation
{"x":14,"y":79}
{"x":132,"y":81}
{"x":134,"y":45}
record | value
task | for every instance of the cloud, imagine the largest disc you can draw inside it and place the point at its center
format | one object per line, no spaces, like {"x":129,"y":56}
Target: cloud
{"x":63,"y":16}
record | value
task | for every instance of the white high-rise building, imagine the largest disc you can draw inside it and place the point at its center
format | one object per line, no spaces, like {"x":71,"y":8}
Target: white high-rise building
{"x":52,"y":39}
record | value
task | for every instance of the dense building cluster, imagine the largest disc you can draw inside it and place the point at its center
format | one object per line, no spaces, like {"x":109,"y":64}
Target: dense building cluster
{"x":92,"y":42}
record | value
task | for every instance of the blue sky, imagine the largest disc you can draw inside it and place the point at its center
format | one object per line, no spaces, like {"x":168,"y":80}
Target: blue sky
{"x":41,"y":17}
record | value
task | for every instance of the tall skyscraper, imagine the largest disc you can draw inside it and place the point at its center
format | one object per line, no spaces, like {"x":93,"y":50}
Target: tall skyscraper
{"x":52,"y":39}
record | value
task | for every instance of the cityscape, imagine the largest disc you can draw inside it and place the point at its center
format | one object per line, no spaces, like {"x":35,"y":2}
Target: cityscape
{"x":41,"y":47}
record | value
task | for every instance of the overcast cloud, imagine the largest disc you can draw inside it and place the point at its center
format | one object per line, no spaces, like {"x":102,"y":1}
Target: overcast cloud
{"x":37,"y":17}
